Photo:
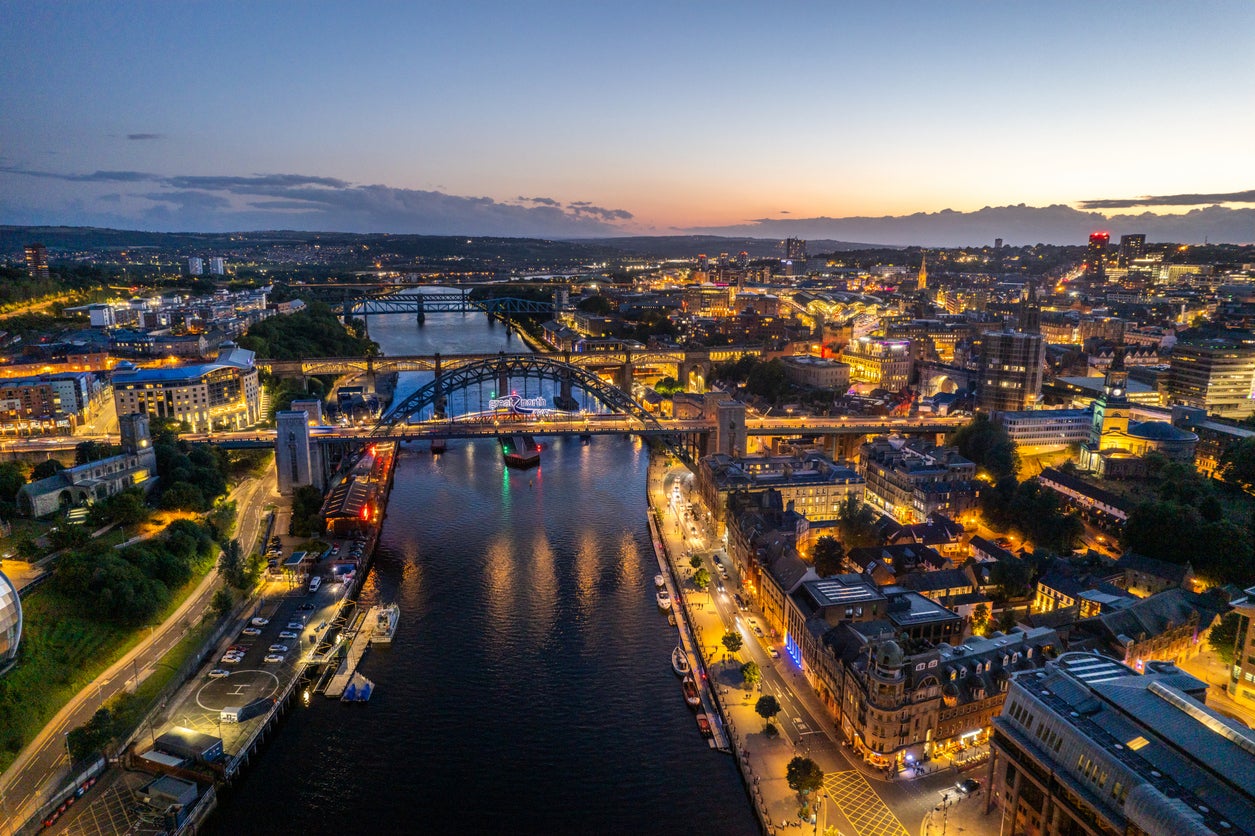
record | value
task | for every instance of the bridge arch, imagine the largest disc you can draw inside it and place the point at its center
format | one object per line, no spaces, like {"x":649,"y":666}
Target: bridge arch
{"x":514,"y":367}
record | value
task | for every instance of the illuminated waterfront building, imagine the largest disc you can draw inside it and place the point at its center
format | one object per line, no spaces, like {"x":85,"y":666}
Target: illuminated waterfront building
{"x":220,"y":395}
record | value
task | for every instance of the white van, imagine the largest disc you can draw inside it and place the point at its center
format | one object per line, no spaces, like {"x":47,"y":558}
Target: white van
{"x":314,"y":583}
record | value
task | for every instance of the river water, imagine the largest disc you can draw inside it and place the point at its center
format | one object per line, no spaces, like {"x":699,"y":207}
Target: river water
{"x":529,"y":687}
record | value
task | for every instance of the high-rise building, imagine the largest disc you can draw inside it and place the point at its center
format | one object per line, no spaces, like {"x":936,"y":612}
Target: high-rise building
{"x":1096,"y":256}
{"x":1215,"y":374}
{"x":1090,"y":746}
{"x":218,"y":266}
{"x":195,"y":266}
{"x":1131,"y":247}
{"x":703,"y":262}
{"x":997,"y":243}
{"x":742,"y":259}
{"x":37,"y":261}
{"x":1011,"y":370}
{"x":1030,"y":309}
{"x":794,"y":249}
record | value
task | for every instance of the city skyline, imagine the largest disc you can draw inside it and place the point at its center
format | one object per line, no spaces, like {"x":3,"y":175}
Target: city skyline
{"x":566,"y":121}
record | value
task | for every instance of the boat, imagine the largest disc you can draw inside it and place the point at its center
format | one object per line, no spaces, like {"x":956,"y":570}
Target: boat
{"x":703,"y":725}
{"x":664,"y":599}
{"x":691,"y":696}
{"x":385,"y":623}
{"x":660,"y":581}
{"x":519,"y":451}
{"x":680,"y":662}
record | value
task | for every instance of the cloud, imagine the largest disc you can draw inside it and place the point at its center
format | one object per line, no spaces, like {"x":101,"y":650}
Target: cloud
{"x":1019,"y":224}
{"x":1170,"y":200}
{"x":784,"y":212}
{"x":319,"y":203}
{"x":144,"y":136}
{"x":94,"y":177}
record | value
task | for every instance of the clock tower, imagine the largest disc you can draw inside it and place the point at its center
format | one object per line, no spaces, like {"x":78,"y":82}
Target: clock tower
{"x":1111,"y":408}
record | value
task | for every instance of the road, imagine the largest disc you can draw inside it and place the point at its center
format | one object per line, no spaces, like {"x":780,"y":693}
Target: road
{"x":858,"y":799}
{"x":42,"y":767}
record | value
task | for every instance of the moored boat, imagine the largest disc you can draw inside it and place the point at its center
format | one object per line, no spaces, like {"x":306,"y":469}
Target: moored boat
{"x":660,"y":581}
{"x":691,"y":695}
{"x":663,"y":597}
{"x":385,"y":624}
{"x":680,"y":662}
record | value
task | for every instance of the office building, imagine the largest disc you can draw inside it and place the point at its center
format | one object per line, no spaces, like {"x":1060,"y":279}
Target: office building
{"x":1012,"y":364}
{"x":910,"y":481}
{"x":882,"y":363}
{"x":1090,"y":746}
{"x":220,"y":395}
{"x":1132,"y":247}
{"x":795,"y":250}
{"x":1216,"y":375}
{"x":816,"y":372}
{"x":812,"y":484}
{"x":195,"y":266}
{"x":1096,"y":256}
{"x":37,"y":261}
{"x":1037,"y":431}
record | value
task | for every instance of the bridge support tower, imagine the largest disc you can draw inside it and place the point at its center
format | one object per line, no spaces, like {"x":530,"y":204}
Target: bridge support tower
{"x":503,"y":377}
{"x":422,"y":314}
{"x":627,"y":373}
{"x":564,"y":400}
{"x":439,"y":404}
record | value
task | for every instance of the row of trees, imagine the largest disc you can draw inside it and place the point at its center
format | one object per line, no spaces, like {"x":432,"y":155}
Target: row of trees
{"x":312,"y":332}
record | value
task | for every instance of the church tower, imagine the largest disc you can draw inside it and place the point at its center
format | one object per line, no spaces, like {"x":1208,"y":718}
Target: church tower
{"x":921,"y":282}
{"x":1111,"y":408}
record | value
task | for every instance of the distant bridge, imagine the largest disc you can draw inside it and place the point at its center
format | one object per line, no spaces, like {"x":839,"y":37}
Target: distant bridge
{"x":421,"y":304}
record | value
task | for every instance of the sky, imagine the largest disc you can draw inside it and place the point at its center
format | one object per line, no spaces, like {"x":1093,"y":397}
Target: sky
{"x":569,"y":119}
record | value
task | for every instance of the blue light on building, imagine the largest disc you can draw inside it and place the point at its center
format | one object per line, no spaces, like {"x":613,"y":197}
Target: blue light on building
{"x":791,"y":648}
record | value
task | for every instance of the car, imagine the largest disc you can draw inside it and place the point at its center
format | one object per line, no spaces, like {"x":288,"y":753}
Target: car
{"x":260,"y":622}
{"x":219,"y":673}
{"x":775,"y":653}
{"x":231,"y":660}
{"x":740,"y":602}
{"x":719,"y":585}
{"x":758,"y":631}
{"x":238,"y":648}
{"x":251,"y":631}
{"x":274,"y":658}
{"x":967,"y":786}
{"x":306,"y":607}
{"x":289,"y":634}
{"x":278,"y":648}
{"x":295,"y":625}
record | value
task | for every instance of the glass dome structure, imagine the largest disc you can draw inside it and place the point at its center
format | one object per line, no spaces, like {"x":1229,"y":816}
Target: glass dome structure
{"x":10,"y":622}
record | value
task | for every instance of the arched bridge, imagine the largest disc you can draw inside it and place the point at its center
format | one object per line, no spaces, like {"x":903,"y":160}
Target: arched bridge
{"x":425,"y":303}
{"x":503,"y":370}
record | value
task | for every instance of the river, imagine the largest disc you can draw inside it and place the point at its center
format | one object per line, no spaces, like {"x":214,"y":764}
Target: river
{"x":529,"y":688}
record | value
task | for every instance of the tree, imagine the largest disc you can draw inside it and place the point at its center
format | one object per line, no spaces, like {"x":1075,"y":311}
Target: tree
{"x":768,"y":380}
{"x":828,"y":555}
{"x":988,"y":444}
{"x":804,"y":775}
{"x":701,"y":578}
{"x":980,"y":619}
{"x":695,"y":561}
{"x":597,"y":305}
{"x":124,"y":508}
{"x":1237,"y":465}
{"x":12,"y":478}
{"x":751,"y":674}
{"x":767,"y":707}
{"x":231,"y":565}
{"x":1224,"y":636}
{"x":91,"y":737}
{"x":306,"y":505}
{"x":46,"y":468}
{"x":668,"y":386}
{"x":91,"y":451}
{"x":857,"y":523}
{"x":732,"y":641}
{"x":222,"y":602}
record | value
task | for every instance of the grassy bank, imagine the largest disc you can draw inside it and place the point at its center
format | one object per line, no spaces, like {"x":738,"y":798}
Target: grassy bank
{"x":62,"y":652}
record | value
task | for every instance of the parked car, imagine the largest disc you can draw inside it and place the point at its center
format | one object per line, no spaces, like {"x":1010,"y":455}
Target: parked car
{"x":295,"y":625}
{"x":219,"y":673}
{"x":306,"y":607}
{"x":288,"y":634}
{"x":259,"y":622}
{"x":775,"y":653}
{"x":231,"y":660}
{"x":278,"y":648}
{"x":251,"y":631}
{"x":274,"y":658}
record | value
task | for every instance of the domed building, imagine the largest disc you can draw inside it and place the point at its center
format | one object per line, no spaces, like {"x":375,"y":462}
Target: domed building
{"x":10,"y":622}
{"x":1117,"y":446}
